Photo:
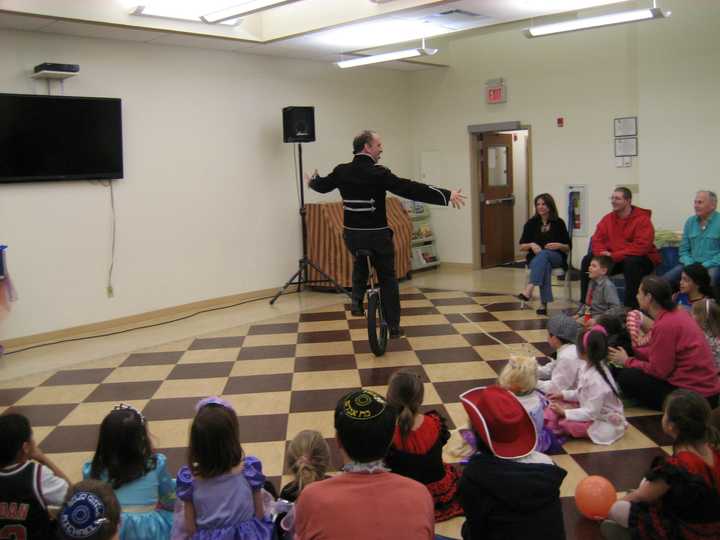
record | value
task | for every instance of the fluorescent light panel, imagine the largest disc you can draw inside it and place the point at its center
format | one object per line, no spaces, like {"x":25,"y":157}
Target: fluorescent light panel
{"x":593,"y":22}
{"x":385,"y":57}
{"x":245,"y":8}
{"x":181,"y":15}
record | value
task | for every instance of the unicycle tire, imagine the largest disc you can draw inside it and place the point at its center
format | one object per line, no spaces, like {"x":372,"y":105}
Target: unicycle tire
{"x":377,"y":327}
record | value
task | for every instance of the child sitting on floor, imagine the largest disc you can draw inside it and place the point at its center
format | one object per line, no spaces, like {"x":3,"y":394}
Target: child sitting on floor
{"x":594,"y":409}
{"x":562,"y":373}
{"x":680,"y":497}
{"x":416,"y":449}
{"x":91,"y":511}
{"x":507,"y":489}
{"x":308,"y":457}
{"x":615,"y":322}
{"x":520,"y":377}
{"x":221,"y":488}
{"x":125,"y":459}
{"x":707,"y":315}
{"x":29,"y":481}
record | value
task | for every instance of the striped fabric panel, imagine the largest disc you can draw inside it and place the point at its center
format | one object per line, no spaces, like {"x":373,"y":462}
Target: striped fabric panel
{"x":326,"y":246}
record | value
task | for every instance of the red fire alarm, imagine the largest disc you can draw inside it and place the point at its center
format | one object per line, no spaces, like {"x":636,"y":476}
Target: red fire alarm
{"x":560,"y":121}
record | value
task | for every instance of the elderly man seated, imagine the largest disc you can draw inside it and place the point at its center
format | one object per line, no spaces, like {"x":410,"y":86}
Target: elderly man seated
{"x":701,"y":239}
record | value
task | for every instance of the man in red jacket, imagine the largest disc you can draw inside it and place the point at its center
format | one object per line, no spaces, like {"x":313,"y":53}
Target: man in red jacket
{"x":627,"y":236}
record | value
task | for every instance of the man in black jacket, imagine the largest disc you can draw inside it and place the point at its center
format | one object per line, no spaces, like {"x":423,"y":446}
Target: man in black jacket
{"x":363,"y":185}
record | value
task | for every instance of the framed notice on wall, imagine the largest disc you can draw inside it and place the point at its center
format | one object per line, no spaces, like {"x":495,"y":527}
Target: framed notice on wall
{"x":577,"y":221}
{"x":627,"y":146}
{"x":626,"y":126}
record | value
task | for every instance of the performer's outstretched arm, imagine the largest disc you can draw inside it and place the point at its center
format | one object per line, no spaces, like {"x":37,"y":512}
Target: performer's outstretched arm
{"x":321,"y":184}
{"x":418,"y":191}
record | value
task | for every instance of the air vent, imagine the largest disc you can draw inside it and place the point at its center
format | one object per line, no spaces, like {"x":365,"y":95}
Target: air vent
{"x":457,"y":19}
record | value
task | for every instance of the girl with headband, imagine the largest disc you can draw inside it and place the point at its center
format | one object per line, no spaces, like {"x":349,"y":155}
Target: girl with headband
{"x":221,"y":487}
{"x":593,"y":410}
{"x":125,"y":459}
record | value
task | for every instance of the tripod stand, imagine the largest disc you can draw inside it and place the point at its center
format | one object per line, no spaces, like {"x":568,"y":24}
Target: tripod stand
{"x":301,"y":275}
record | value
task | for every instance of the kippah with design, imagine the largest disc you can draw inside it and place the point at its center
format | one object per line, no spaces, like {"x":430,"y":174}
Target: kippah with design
{"x":363,"y":405}
{"x":83,"y":515}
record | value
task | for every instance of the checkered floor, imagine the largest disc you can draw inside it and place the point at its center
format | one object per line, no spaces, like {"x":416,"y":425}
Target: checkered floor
{"x":286,"y":375}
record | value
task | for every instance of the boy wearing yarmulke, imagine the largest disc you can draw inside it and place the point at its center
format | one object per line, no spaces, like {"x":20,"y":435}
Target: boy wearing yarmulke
{"x":367,"y":501}
{"x":29,"y":482}
{"x":91,"y":512}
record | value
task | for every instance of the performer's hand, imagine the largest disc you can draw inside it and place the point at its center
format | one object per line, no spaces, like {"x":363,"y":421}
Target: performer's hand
{"x":457,"y":199}
{"x":308,"y":178}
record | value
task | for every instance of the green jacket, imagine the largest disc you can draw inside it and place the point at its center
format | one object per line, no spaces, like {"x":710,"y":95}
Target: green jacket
{"x":701,"y":246}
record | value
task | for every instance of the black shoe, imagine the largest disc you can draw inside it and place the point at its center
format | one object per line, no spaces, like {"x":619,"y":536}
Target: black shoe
{"x":357,"y":310}
{"x":541,"y":311}
{"x":522,"y":297}
{"x":397,"y":332}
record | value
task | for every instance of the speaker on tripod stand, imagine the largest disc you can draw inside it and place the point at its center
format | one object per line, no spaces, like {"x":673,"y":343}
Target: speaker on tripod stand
{"x":299,"y":127}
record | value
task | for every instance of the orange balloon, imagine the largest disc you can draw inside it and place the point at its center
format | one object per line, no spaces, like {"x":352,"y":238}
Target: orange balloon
{"x":594,"y":496}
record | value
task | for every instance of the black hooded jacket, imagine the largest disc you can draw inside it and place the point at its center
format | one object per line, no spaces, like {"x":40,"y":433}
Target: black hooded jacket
{"x":509,"y":500}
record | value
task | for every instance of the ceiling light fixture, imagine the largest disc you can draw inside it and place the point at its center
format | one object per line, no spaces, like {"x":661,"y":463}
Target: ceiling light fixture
{"x":387,"y":57}
{"x":160,"y":12}
{"x":240,"y":10}
{"x":610,"y":19}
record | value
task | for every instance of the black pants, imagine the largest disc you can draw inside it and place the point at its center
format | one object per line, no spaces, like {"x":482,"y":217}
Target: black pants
{"x":651,"y":392}
{"x":381,"y":243}
{"x":632,"y":267}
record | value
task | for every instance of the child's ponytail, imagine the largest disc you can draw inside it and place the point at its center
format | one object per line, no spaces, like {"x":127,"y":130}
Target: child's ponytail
{"x":593,"y":344}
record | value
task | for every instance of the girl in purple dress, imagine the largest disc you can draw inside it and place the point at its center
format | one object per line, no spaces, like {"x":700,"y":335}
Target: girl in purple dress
{"x":221,"y":489}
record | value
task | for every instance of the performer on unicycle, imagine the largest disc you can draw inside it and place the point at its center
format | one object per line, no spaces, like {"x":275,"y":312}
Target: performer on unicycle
{"x":362,"y":184}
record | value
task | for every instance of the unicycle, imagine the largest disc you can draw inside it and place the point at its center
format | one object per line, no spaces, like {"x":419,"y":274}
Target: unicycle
{"x":377,"y":326}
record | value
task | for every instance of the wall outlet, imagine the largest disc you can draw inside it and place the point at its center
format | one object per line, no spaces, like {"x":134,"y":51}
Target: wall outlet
{"x":110,"y":292}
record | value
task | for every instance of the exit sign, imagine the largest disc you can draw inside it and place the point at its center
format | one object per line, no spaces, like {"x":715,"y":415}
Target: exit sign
{"x":495,"y":91}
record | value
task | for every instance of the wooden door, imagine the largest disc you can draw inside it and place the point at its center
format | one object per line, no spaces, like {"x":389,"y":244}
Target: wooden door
{"x":496,"y":199}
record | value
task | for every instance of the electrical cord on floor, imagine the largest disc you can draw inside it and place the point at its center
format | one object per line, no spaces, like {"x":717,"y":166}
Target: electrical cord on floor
{"x":143,"y":327}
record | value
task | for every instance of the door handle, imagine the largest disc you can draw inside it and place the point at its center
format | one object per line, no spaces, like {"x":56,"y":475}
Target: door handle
{"x":491,"y":202}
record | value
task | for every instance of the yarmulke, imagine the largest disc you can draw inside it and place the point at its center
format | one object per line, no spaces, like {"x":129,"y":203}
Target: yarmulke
{"x":83,"y":515}
{"x":363,"y":405}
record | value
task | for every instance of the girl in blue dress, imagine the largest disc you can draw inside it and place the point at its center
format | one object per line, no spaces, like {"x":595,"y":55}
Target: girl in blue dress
{"x":125,"y":459}
{"x":221,"y":488}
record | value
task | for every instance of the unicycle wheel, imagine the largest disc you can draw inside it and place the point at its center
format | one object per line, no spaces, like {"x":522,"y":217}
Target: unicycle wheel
{"x":377,"y":327}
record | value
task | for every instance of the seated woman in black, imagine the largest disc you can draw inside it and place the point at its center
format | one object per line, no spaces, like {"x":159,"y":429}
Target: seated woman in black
{"x":547,"y":242}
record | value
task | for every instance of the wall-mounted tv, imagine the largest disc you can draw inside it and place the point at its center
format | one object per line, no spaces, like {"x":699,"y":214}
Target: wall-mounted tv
{"x":59,"y":138}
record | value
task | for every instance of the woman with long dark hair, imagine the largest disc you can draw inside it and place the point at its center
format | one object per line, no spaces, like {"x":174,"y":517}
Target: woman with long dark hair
{"x":676,"y":356}
{"x":547,"y":242}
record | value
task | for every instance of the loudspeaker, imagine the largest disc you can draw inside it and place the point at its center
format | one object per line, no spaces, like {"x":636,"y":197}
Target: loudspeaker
{"x":298,"y":124}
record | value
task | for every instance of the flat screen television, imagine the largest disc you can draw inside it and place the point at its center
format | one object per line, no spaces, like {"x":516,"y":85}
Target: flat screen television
{"x":60,"y":138}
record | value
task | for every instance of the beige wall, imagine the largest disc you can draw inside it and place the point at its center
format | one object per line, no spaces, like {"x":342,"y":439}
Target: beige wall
{"x":665,"y":72}
{"x":208,"y":206}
